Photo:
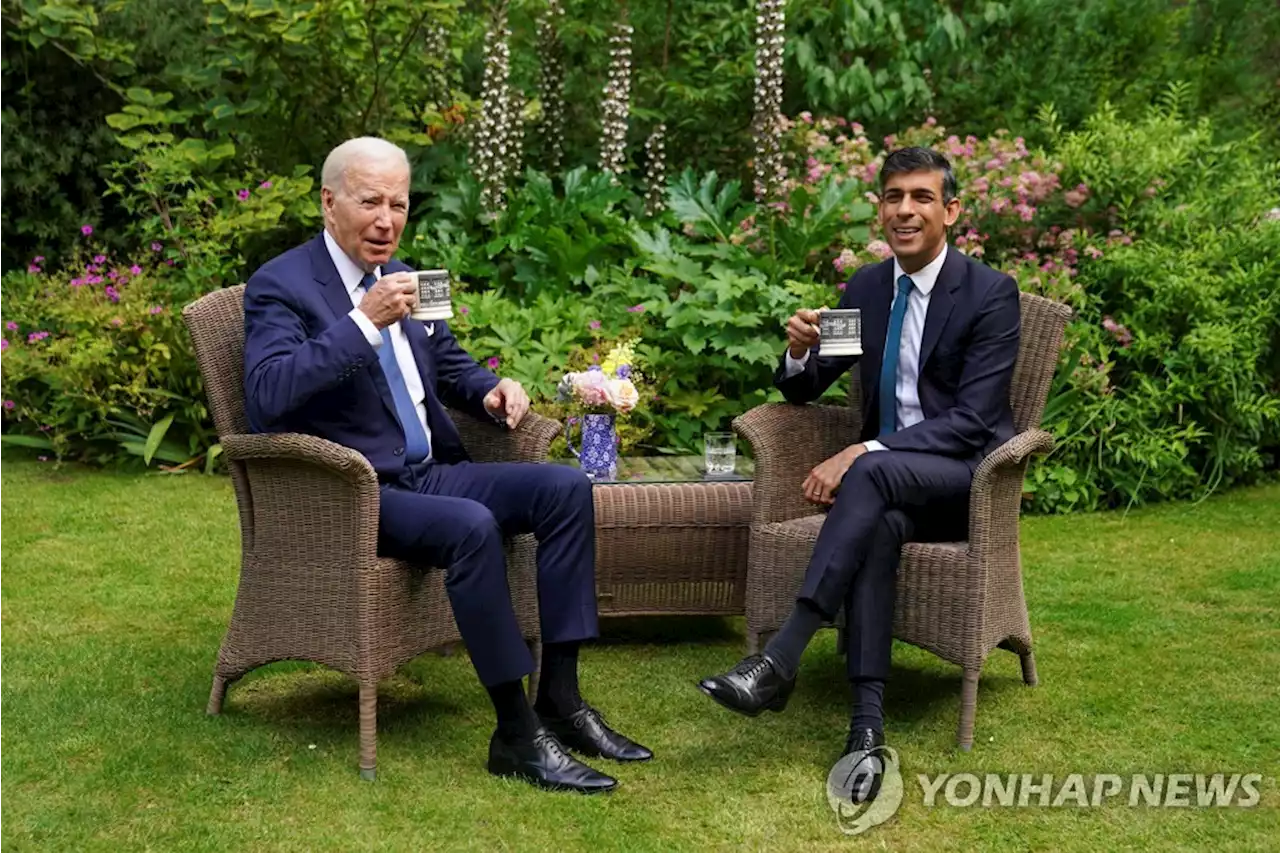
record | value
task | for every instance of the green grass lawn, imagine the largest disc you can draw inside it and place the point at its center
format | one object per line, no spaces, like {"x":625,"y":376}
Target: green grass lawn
{"x":1158,"y":644}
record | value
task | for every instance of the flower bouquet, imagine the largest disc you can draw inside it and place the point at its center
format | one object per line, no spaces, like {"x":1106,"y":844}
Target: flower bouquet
{"x":601,"y":393}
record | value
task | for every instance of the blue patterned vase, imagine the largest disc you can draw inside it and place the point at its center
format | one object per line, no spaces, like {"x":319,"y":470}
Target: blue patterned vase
{"x":599,"y":455}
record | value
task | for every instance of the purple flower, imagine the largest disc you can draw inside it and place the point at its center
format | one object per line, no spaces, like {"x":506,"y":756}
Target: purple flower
{"x":11,"y":326}
{"x":155,"y":247}
{"x":86,"y":230}
{"x":99,"y":259}
{"x":243,"y":195}
{"x":135,"y":270}
{"x":77,"y":282}
{"x":9,"y":404}
{"x":113,"y":275}
{"x":594,"y":324}
{"x":636,"y":309}
{"x":156,"y":309}
{"x":623,"y":371}
{"x":112,"y":293}
{"x":265,"y":185}
{"x":464,"y":310}
{"x":4,"y":344}
{"x":91,"y":268}
{"x":93,"y":279}
{"x":493,"y":362}
{"x":37,"y":259}
{"x":33,"y":268}
{"x":36,"y":336}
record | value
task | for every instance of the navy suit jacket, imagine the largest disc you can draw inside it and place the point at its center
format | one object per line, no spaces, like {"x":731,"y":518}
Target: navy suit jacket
{"x":967,"y":353}
{"x":308,"y":367}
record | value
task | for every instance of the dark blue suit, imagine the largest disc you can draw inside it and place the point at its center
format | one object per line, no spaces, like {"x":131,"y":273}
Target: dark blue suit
{"x":917,"y":489}
{"x":309,"y":368}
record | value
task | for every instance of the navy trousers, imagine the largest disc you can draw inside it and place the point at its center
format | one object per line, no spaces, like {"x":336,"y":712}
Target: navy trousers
{"x":886,"y":498}
{"x":456,"y":516}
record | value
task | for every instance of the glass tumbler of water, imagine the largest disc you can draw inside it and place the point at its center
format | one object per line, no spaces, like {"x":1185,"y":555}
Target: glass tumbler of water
{"x":721,"y":452}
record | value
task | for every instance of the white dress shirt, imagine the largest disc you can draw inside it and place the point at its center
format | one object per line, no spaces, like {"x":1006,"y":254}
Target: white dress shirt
{"x":908,"y":411}
{"x":351,"y":276}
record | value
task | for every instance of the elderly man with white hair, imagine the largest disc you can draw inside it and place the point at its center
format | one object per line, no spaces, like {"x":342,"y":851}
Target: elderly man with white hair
{"x":330,"y":351}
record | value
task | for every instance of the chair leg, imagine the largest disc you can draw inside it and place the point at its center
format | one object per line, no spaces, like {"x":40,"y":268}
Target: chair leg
{"x":1029,"y":676}
{"x":369,"y":730}
{"x":216,"y":696}
{"x":756,"y":641}
{"x":968,"y":708}
{"x":535,"y":649}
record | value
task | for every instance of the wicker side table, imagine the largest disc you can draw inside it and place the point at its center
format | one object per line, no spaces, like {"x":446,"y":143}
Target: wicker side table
{"x":670,"y":540}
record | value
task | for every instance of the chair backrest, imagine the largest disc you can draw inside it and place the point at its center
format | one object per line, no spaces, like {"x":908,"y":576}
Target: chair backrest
{"x":1043,"y":324}
{"x":216,"y":324}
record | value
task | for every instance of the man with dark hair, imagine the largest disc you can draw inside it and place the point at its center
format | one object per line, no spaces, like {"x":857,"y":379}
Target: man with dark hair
{"x":940,"y":337}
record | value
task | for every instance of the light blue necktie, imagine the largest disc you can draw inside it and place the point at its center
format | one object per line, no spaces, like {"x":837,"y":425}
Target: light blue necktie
{"x":416,"y":446}
{"x":889,"y":367}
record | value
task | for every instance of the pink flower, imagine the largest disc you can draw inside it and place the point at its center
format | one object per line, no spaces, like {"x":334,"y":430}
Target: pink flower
{"x":265,"y":185}
{"x":9,"y":404}
{"x":4,"y":344}
{"x":43,"y":458}
{"x":493,"y":362}
{"x":113,"y":275}
{"x":99,"y":259}
{"x":77,"y":282}
{"x":930,"y":121}
{"x":243,"y":195}
{"x":842,"y":285}
{"x":156,"y":309}
{"x":91,"y":268}
{"x":1093,"y":252}
{"x":880,"y":249}
{"x":155,"y":247}
{"x":11,"y":326}
{"x":112,"y":293}
{"x":86,"y":230}
{"x":844,"y":260}
{"x":135,"y":270}
{"x":37,"y":259}
{"x":464,"y":310}
{"x":806,"y":117}
{"x":93,"y":279}
{"x":117,"y":322}
{"x":594,"y":324}
{"x":636,"y":309}
{"x":33,"y":268}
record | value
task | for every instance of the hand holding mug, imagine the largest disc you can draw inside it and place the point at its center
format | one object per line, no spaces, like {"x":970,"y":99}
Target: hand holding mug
{"x":390,"y":299}
{"x":802,"y":332}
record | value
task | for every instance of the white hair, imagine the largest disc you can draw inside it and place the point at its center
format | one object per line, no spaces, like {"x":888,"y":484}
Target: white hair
{"x":362,"y":149}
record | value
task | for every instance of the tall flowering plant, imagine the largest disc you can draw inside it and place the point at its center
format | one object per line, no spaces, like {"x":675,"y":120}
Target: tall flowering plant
{"x":606,"y":388}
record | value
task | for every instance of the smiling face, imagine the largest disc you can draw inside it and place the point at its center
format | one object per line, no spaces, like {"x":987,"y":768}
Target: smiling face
{"x":367,"y":211}
{"x":914,"y":217}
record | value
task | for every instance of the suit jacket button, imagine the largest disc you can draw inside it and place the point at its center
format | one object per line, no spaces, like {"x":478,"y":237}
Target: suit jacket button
{"x":399,"y":451}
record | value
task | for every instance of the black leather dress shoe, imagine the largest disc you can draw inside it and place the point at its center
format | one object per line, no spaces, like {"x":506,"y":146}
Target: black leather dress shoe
{"x":754,"y":685}
{"x":542,"y":761}
{"x":868,"y":770}
{"x":586,"y":733}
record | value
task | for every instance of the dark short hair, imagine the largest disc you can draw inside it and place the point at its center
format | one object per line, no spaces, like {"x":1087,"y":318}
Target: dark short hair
{"x":917,"y":159}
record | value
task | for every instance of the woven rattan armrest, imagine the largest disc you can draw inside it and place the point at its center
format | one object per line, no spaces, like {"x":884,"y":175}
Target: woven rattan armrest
{"x":303,"y":448}
{"x":486,"y":440}
{"x":788,"y":441}
{"x":996,"y":494}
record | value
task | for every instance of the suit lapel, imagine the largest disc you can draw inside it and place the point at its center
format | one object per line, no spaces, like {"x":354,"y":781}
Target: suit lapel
{"x":941,"y":301}
{"x":875,"y":327}
{"x":339,"y":300}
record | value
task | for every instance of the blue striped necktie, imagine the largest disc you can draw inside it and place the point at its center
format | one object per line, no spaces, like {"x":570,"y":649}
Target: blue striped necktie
{"x":416,"y":446}
{"x":889,"y":367}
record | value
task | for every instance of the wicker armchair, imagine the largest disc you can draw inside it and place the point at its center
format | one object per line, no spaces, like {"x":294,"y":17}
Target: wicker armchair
{"x":312,"y":586}
{"x":959,"y":600}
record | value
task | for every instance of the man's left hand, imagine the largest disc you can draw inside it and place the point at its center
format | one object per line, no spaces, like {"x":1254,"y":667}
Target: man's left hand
{"x":823,"y":482}
{"x":507,"y":399}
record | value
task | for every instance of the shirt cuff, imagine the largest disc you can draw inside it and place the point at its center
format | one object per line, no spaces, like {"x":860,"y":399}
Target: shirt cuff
{"x":794,"y":366}
{"x":370,"y":331}
{"x":873,"y":445}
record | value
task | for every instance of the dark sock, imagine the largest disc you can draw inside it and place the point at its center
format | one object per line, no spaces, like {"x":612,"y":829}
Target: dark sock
{"x":558,"y":685}
{"x":515,"y":716}
{"x":789,"y":643}
{"x":868,"y":704}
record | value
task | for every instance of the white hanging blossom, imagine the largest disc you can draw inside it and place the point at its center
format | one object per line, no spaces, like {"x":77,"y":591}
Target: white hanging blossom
{"x":766,"y":127}
{"x":498,"y":129}
{"x":655,"y":176}
{"x":436,"y":82}
{"x":617,"y":99}
{"x":551,"y":82}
